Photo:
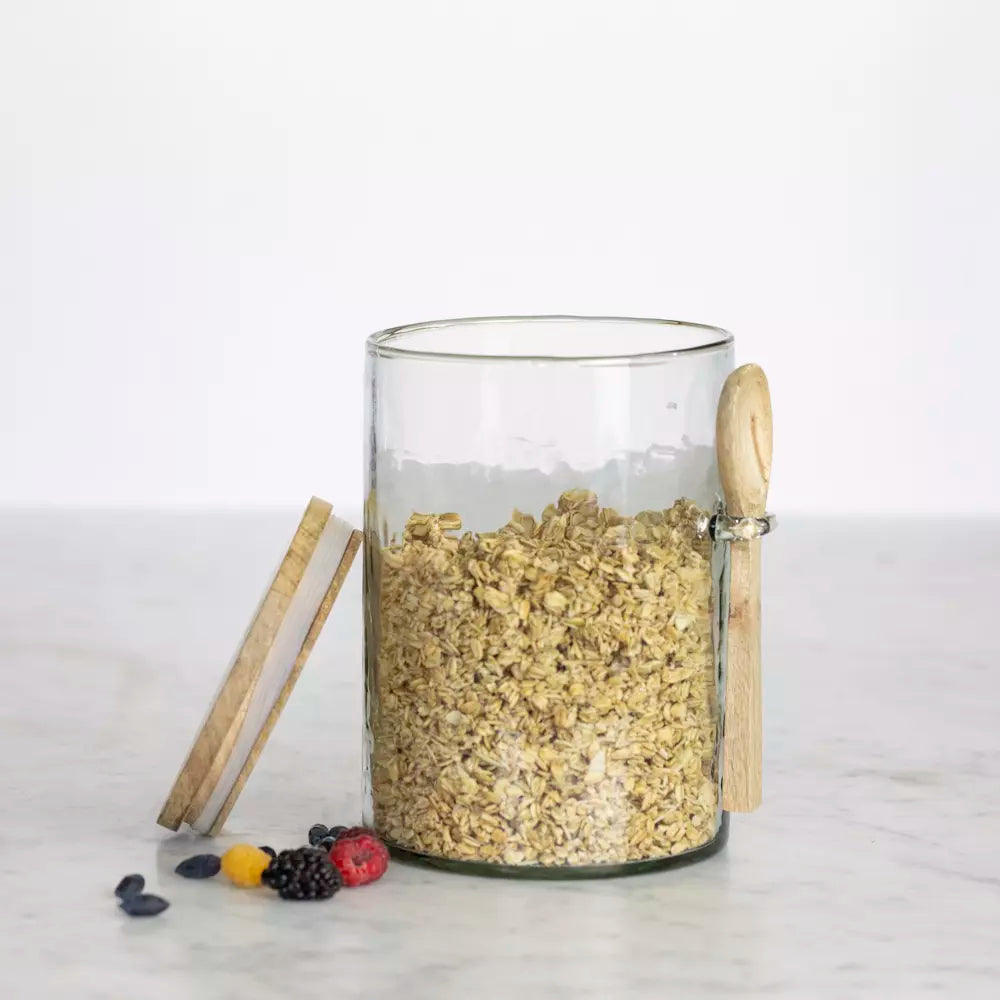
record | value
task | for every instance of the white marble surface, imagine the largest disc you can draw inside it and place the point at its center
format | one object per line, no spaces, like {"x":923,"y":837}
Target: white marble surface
{"x":871,"y":871}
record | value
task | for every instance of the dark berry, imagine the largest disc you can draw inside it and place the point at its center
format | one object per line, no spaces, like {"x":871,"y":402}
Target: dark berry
{"x":317,"y":833}
{"x":326,"y":843}
{"x":200,"y":866}
{"x":338,"y":831}
{"x":269,"y":850}
{"x":143,"y":905}
{"x":302,"y":873}
{"x":131,"y":885}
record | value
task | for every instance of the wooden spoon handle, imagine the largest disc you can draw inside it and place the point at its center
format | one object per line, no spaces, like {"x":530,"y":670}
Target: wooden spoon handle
{"x":743,"y":443}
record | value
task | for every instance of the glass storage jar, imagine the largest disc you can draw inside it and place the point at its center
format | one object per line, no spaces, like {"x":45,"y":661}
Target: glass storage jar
{"x":543,"y":602}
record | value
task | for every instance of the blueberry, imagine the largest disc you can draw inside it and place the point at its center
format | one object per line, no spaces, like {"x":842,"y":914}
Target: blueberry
{"x":317,"y":833}
{"x":143,"y":905}
{"x":269,"y":850}
{"x":338,"y":831}
{"x":326,"y":843}
{"x":131,"y":885}
{"x":200,"y":866}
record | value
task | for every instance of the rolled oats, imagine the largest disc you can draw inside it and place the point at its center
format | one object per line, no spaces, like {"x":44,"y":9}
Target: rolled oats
{"x":545,"y":694}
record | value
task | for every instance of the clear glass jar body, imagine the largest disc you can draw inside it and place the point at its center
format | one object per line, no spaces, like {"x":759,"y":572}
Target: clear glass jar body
{"x":542,"y":601}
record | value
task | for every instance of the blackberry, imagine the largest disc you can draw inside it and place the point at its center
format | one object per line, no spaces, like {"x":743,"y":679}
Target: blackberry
{"x":302,"y":873}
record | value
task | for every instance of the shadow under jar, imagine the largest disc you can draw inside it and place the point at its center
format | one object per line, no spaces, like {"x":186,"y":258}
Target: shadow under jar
{"x":543,"y":604}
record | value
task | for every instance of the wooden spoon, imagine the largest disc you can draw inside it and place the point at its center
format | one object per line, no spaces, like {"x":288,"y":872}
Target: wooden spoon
{"x":743,"y":444}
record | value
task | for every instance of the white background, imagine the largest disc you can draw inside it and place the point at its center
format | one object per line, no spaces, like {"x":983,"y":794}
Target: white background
{"x":206,"y":206}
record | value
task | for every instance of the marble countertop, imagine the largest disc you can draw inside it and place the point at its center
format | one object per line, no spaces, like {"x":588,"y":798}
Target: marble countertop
{"x":871,"y":870}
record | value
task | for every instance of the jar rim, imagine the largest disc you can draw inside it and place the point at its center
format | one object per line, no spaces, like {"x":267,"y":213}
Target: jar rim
{"x":705,"y":338}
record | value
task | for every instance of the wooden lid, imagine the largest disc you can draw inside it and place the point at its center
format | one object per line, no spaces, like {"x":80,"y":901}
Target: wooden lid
{"x":263,"y":672}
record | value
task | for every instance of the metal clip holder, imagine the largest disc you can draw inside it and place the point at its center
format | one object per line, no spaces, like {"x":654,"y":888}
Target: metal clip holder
{"x":723,"y":528}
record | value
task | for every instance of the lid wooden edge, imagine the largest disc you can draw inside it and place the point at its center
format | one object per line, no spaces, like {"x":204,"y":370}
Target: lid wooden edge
{"x":353,"y":544}
{"x":204,"y":791}
{"x":219,"y":730}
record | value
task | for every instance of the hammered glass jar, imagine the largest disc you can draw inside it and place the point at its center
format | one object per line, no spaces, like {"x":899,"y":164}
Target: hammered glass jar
{"x":542,"y":599}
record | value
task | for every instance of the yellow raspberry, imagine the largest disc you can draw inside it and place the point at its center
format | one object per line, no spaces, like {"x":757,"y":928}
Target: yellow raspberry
{"x":244,"y":864}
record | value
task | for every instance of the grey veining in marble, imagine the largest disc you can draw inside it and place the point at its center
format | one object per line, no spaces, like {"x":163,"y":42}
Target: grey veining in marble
{"x":871,"y":871}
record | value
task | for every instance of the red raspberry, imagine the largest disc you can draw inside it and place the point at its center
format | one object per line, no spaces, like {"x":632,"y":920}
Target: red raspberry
{"x":354,"y":831}
{"x":360,"y":859}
